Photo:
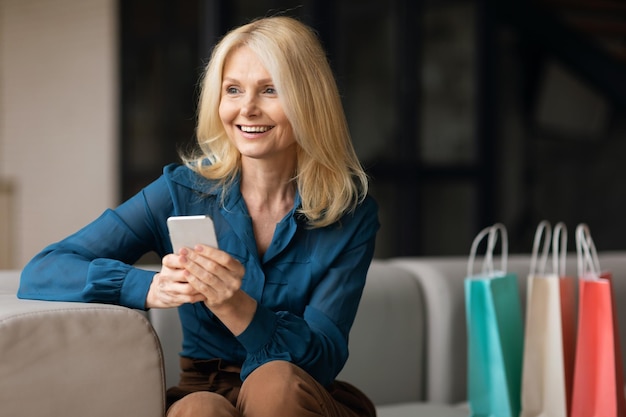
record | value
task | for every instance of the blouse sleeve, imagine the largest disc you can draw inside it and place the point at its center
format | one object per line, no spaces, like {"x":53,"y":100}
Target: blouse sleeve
{"x":95,"y":263}
{"x":318,"y":340}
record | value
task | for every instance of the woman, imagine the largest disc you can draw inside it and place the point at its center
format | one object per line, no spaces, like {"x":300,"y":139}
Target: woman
{"x":266,"y":316}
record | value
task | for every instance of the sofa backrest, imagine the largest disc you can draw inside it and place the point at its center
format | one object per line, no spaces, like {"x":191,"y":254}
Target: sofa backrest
{"x":9,"y":281}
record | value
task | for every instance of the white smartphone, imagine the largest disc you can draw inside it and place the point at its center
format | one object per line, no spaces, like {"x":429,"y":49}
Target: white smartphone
{"x":189,"y":231}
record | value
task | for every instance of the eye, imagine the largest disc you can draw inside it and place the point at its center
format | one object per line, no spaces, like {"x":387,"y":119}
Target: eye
{"x":270,"y":90}
{"x":231,"y":90}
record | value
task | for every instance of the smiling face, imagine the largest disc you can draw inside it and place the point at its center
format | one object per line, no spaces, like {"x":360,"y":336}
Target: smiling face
{"x":252,"y":113}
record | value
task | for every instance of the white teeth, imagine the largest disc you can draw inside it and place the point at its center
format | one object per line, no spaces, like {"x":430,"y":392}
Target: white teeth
{"x":255,"y":129}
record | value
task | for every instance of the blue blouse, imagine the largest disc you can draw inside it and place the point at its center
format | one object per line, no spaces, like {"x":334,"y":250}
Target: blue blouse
{"x":308,"y":283}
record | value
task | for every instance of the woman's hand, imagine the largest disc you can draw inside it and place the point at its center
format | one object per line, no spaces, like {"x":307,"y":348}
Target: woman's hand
{"x":218,"y":277}
{"x":212,"y":272}
{"x":169,"y":287}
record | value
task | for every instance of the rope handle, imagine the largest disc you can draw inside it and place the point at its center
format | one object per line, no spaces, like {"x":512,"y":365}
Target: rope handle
{"x":587,"y":255}
{"x":492,"y":233}
{"x":543,"y":229}
{"x":559,"y":249}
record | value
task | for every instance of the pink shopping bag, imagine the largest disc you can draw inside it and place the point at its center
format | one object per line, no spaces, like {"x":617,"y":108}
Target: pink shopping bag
{"x":598,"y":389}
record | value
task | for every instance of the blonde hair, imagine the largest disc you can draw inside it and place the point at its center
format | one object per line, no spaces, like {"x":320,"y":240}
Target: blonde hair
{"x":329,"y":177}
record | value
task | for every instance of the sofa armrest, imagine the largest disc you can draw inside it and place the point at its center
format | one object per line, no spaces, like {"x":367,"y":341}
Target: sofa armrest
{"x":387,"y":341}
{"x":77,"y":359}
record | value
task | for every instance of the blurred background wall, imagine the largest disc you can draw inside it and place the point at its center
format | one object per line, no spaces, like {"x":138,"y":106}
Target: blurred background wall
{"x":464,"y":112}
{"x":58,"y":120}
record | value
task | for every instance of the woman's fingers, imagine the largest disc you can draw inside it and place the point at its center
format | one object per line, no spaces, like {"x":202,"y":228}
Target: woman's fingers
{"x":212,"y":272}
{"x":170,"y":288}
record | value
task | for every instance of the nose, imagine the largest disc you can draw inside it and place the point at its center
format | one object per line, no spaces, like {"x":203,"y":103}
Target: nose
{"x":249,"y":106}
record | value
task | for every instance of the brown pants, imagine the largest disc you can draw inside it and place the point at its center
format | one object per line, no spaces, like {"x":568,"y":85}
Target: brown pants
{"x":212,"y":388}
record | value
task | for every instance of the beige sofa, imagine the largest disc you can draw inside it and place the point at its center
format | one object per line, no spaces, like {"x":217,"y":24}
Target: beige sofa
{"x":408,"y":349}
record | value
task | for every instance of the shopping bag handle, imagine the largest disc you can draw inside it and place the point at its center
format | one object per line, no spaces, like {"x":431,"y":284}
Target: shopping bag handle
{"x":586,"y":251}
{"x":559,"y":249}
{"x":543,"y":229}
{"x":492,"y":233}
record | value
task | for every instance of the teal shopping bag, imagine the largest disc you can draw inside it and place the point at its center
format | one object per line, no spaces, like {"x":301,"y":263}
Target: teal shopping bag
{"x":495,"y":334}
